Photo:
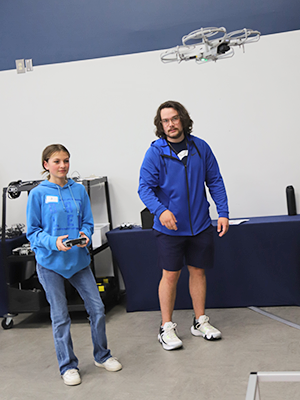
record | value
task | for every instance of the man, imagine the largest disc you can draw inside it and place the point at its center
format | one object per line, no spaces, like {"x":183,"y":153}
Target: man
{"x":173,"y":176}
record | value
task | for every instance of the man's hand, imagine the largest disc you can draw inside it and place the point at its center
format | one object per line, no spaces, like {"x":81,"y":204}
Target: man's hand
{"x":223,"y":226}
{"x":167,"y":219}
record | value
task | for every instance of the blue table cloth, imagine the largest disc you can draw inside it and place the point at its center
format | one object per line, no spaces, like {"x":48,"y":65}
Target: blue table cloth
{"x":257,"y":263}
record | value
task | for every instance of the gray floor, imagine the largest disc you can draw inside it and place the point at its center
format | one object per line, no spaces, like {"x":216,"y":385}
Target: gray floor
{"x":201,"y":370}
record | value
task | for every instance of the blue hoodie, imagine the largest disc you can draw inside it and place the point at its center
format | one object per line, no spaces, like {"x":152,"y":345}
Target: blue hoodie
{"x":54,"y":211}
{"x":167,"y":184}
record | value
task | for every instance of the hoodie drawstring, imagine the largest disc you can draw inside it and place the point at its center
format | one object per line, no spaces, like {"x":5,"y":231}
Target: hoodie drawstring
{"x":78,"y":210}
{"x":61,"y":198}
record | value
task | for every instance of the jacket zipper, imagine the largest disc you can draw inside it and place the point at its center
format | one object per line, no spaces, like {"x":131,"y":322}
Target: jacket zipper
{"x":188,"y":195}
{"x":187,"y":184}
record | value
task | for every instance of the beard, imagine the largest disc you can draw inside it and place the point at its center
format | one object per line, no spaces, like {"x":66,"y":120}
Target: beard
{"x":175,"y":134}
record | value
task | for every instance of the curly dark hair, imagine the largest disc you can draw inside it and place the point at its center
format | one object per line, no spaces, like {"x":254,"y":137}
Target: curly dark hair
{"x":186,"y":121}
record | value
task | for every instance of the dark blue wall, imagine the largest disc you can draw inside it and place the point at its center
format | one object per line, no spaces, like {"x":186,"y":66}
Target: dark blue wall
{"x":53,"y":31}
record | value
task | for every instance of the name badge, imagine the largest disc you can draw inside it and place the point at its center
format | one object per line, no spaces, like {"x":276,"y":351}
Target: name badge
{"x":182,"y":154}
{"x":51,"y":199}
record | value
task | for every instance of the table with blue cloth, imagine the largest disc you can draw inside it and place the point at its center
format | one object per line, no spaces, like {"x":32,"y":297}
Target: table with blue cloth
{"x":257,"y":263}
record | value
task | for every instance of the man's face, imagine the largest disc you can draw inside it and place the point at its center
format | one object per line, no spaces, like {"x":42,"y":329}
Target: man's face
{"x":172,"y":125}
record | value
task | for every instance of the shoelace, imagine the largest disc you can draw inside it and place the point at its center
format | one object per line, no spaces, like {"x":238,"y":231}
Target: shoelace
{"x":170,"y":331}
{"x":204,"y":322}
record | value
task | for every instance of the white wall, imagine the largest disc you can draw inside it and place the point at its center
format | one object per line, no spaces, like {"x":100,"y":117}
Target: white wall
{"x":246,"y":108}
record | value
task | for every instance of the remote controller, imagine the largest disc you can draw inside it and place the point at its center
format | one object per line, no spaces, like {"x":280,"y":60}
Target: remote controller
{"x":74,"y":242}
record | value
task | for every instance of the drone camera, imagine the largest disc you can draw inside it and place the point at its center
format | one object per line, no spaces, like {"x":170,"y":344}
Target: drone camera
{"x":223,"y":48}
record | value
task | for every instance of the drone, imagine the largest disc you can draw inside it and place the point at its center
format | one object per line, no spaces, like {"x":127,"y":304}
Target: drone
{"x":209,"y":44}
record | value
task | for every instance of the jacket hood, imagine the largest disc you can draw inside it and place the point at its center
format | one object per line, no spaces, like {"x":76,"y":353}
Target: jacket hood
{"x":161,"y":142}
{"x":54,"y":185}
{"x":163,"y":147}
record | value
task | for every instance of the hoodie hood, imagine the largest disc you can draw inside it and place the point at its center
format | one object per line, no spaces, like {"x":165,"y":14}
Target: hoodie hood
{"x":67,"y":186}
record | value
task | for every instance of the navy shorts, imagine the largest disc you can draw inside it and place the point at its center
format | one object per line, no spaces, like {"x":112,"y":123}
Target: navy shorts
{"x":176,"y":251}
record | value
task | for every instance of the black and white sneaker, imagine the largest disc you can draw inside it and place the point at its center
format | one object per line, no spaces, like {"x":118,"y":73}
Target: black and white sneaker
{"x":202,"y":327}
{"x":168,"y":336}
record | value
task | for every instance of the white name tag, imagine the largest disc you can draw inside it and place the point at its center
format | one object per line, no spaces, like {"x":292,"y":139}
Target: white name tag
{"x":51,"y":199}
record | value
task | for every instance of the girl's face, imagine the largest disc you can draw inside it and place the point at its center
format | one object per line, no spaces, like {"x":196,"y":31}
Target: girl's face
{"x":58,"y":166}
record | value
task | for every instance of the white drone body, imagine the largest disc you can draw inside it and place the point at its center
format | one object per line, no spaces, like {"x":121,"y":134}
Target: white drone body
{"x":199,"y":46}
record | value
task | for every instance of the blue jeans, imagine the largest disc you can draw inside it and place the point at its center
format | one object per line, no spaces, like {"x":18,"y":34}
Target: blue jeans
{"x":84,"y":283}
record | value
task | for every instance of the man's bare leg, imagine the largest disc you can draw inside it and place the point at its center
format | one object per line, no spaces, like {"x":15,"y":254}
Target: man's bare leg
{"x":197,"y":284}
{"x":201,"y":327}
{"x":167,"y":294}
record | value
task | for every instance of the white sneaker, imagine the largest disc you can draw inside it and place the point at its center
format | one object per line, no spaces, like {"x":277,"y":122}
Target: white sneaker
{"x":202,"y":327}
{"x":71,"y":377}
{"x":111,"y":364}
{"x":168,"y":336}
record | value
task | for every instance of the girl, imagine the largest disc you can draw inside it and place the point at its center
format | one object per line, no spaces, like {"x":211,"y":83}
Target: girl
{"x":59,"y":209}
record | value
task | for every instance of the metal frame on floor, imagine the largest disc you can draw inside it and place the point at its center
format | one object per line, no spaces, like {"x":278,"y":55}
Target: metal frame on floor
{"x":256,"y":377}
{"x":267,"y":314}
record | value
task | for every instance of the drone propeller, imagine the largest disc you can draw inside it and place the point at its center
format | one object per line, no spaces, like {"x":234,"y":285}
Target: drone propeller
{"x":179,"y":53}
{"x":204,"y":34}
{"x":243,"y":36}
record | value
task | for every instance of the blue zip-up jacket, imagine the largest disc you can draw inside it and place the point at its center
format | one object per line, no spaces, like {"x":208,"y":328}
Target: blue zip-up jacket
{"x":167,"y":184}
{"x":54,"y":211}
